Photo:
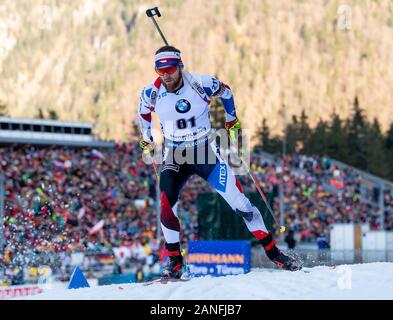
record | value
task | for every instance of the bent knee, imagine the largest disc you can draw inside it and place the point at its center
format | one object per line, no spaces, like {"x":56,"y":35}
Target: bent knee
{"x":242,"y":203}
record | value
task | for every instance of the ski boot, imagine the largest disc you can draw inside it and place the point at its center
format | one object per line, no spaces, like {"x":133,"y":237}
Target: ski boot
{"x":278,"y":257}
{"x":174,"y":269}
{"x":286,"y":262}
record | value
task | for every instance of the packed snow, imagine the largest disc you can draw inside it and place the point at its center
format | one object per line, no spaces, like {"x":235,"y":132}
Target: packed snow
{"x":361,"y":281}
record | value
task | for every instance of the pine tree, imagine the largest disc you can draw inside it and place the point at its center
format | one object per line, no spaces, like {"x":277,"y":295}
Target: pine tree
{"x":3,"y":109}
{"x":135,"y":133}
{"x":53,"y":115}
{"x":304,"y":132}
{"x":389,"y":138}
{"x":336,"y":143}
{"x":262,"y":137}
{"x":317,"y":144}
{"x":375,"y":151}
{"x":388,"y":146}
{"x":40,"y":114}
{"x":292,"y":135}
{"x":265,"y":136}
{"x":264,"y":141}
{"x":357,"y":129}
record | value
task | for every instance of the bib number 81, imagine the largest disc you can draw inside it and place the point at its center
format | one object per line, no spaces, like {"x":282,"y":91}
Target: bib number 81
{"x":182,"y":123}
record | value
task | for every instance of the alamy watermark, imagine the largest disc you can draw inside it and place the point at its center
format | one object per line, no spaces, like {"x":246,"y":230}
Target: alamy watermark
{"x":205,"y":150}
{"x":44,"y":17}
{"x":344,"y":17}
{"x":344,"y":281}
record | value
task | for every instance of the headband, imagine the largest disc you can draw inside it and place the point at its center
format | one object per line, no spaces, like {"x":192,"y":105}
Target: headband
{"x":168,"y":58}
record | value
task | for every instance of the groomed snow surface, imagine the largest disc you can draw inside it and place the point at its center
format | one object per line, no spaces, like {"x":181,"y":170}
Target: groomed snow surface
{"x":361,"y":281}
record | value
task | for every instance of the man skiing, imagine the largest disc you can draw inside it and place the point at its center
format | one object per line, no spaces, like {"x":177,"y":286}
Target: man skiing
{"x":181,"y":101}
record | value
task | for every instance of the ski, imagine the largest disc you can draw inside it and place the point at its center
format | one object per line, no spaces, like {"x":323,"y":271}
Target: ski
{"x":300,"y":267}
{"x":165,"y":281}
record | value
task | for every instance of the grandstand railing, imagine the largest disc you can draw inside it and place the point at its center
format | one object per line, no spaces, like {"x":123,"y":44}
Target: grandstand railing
{"x":325,"y":257}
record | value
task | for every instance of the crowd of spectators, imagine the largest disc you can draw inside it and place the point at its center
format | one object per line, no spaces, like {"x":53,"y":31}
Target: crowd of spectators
{"x":56,"y":198}
{"x":317,"y":193}
{"x":63,"y":200}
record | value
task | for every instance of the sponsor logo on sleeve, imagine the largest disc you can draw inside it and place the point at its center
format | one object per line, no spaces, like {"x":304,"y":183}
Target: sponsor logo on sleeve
{"x":223,"y":175}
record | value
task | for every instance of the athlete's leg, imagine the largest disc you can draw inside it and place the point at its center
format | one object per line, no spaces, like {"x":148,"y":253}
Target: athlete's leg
{"x":219,"y":174}
{"x":172,"y":179}
{"x":221,"y":177}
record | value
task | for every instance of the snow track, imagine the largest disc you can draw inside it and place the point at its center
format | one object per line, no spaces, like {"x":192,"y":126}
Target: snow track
{"x":361,"y":281}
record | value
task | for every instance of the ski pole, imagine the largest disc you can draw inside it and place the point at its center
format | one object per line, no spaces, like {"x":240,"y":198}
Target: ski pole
{"x":282,"y":228}
{"x":151,"y":13}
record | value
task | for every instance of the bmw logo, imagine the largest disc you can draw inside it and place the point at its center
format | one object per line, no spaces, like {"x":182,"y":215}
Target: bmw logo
{"x":182,"y":106}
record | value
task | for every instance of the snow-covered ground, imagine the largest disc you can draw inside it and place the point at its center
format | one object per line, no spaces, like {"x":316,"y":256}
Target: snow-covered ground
{"x":361,"y":281}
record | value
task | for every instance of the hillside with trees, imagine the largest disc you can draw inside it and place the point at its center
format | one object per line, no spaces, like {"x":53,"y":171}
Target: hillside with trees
{"x":88,"y":60}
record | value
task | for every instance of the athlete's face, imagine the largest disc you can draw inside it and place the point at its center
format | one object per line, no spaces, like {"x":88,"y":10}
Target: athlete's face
{"x":171,"y":78}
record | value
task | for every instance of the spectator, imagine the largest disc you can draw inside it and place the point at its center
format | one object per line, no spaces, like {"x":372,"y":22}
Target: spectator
{"x":290,"y":239}
{"x":322,"y":242}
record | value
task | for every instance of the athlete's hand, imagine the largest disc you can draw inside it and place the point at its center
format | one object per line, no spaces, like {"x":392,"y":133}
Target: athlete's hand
{"x":233,"y":128}
{"x":146,"y":146}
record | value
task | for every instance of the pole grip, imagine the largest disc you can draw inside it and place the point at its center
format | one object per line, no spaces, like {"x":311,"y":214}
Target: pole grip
{"x":153,"y":12}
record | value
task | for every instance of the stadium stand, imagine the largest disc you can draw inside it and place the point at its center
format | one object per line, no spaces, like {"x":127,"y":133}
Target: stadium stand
{"x":99,"y":199}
